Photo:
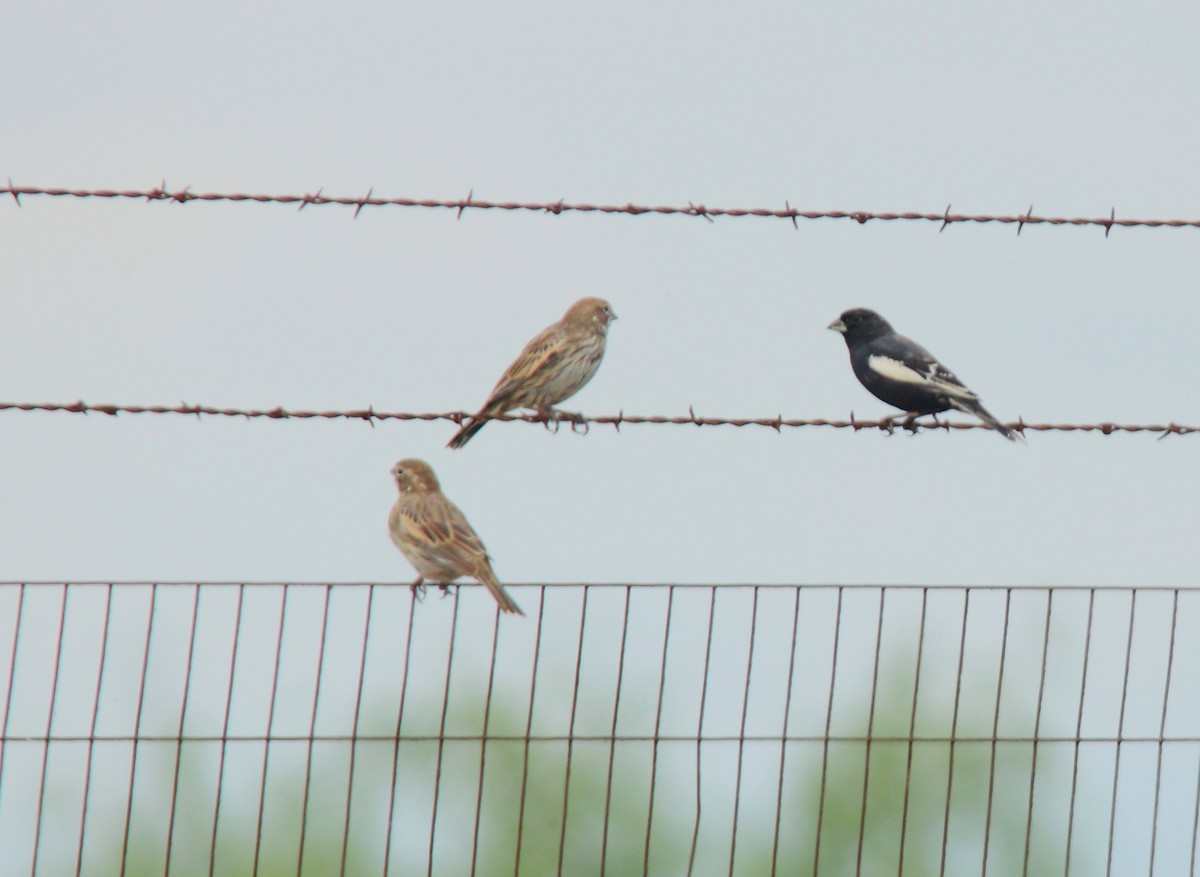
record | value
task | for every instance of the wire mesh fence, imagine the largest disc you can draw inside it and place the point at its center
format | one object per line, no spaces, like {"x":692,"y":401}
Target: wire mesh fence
{"x":282,"y":729}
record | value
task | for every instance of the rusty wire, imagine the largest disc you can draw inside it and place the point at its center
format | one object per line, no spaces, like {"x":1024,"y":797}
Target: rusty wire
{"x":287,"y":672}
{"x":581,"y":423}
{"x":318,"y":198}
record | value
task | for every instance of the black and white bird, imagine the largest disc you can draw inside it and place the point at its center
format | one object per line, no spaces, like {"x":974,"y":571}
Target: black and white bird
{"x":901,"y":372}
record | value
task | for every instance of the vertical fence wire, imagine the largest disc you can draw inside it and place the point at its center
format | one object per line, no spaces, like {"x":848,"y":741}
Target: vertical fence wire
{"x":358,"y":702}
{"x":833,"y":668}
{"x":783,"y":733}
{"x":1162,"y":732}
{"x":312,"y":730}
{"x":91,"y":733}
{"x":741,"y":746}
{"x":533,"y":676}
{"x":41,"y":797}
{"x":228,"y":716}
{"x":912,"y":728}
{"x":658,"y":715}
{"x":991,"y":794}
{"x":441,"y":744}
{"x":1195,"y":826}
{"x":612,"y":731}
{"x":137,"y":725}
{"x":269,"y":731}
{"x":953,"y":747}
{"x":179,"y":738}
{"x":12,"y":677}
{"x":276,"y":666}
{"x":708,"y":639}
{"x":483,"y":744}
{"x":1083,"y":680}
{"x":395,"y":766}
{"x":866,"y":783}
{"x":566,"y":796}
{"x":1037,"y":732}
{"x":1116,"y":774}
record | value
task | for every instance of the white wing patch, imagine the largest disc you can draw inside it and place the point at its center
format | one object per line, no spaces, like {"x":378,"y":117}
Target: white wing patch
{"x":936,"y":377}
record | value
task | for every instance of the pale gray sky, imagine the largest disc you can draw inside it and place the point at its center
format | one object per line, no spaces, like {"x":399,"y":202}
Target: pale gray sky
{"x":1075,"y":110}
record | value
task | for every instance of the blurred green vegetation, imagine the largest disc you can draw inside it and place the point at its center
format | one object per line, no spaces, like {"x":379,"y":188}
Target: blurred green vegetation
{"x":990,"y":796}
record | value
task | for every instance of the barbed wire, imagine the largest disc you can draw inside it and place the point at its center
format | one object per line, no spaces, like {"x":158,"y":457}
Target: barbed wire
{"x":583,"y":423}
{"x":318,"y":199}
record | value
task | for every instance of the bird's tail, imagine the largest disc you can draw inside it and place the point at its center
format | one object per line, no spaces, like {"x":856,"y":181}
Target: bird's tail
{"x":983,"y":414}
{"x":489,"y":581}
{"x":464,"y":435}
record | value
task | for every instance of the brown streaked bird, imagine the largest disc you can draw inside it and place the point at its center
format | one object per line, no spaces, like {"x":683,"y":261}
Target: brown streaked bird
{"x":435,"y":537}
{"x":553,"y":367}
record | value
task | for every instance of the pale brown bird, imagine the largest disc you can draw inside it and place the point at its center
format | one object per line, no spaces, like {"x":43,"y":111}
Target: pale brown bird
{"x":553,"y":366}
{"x":433,"y":534}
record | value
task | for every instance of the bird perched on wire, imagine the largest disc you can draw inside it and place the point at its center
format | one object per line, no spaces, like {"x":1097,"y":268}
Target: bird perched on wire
{"x":435,"y":537}
{"x":901,"y":372}
{"x":553,"y":366}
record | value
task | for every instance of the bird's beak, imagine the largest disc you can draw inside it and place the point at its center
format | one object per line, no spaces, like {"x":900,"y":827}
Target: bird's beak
{"x":837,"y":326}
{"x":612,"y":315}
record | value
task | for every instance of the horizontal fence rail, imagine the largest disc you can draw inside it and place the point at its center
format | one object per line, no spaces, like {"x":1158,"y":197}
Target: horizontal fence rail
{"x":581,"y":422}
{"x":318,"y":198}
{"x":348,"y":728}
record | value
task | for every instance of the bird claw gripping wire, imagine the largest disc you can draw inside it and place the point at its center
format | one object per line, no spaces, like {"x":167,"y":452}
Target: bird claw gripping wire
{"x":913,"y":424}
{"x":418,"y":589}
{"x":552,"y":419}
{"x":447,"y":592}
{"x":579,"y":423}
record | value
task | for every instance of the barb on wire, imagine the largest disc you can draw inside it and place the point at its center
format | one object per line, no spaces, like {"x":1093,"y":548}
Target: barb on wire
{"x":777,"y":423}
{"x":364,"y":202}
{"x":557,"y":208}
{"x":1024,"y":219}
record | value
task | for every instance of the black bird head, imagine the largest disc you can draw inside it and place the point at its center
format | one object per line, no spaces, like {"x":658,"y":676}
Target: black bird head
{"x":860,"y":324}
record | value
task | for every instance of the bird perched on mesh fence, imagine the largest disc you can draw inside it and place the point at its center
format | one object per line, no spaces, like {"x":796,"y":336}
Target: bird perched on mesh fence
{"x":553,"y":366}
{"x":435,"y":537}
{"x":901,"y":372}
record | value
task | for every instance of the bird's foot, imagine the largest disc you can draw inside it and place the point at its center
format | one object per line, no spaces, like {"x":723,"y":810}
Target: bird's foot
{"x":418,"y":589}
{"x":911,"y":424}
{"x":549,"y":418}
{"x":576,"y":419}
{"x":446,"y":592}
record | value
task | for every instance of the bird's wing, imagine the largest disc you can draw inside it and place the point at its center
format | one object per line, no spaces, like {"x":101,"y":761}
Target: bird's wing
{"x":900,"y":359}
{"x":539,"y":356}
{"x":441,"y":529}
